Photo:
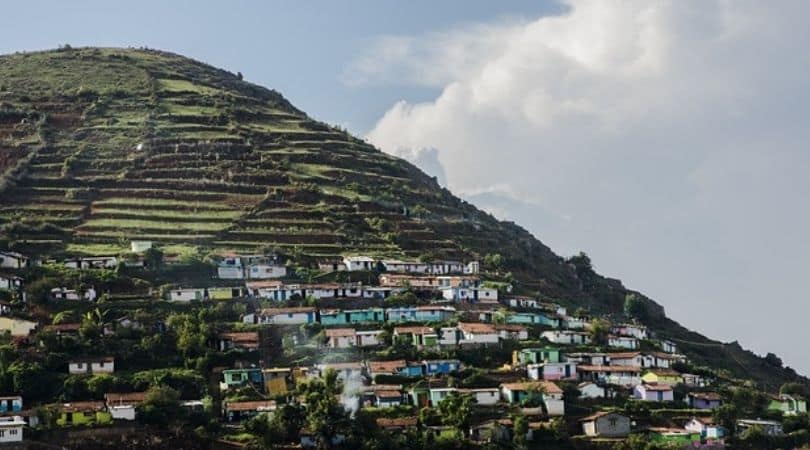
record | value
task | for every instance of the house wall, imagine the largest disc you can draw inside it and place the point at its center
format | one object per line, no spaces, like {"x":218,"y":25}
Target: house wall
{"x":122,"y":412}
{"x":17,"y":327}
{"x":265,"y":271}
{"x":612,"y":425}
{"x":11,"y":433}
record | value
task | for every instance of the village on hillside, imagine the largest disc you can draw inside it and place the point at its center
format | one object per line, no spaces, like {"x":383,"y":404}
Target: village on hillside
{"x":253,"y":350}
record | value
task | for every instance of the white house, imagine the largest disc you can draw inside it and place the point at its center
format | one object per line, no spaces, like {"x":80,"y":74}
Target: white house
{"x":472,"y":267}
{"x":92,"y":365}
{"x":11,"y":429}
{"x":395,"y":265}
{"x":334,"y":266}
{"x":10,"y":282}
{"x":139,"y":246}
{"x":368,"y":338}
{"x":17,"y":327}
{"x":620,"y":375}
{"x":63,"y":293}
{"x":345,"y":371}
{"x":484,"y":396}
{"x":122,"y":406}
{"x":253,"y":267}
{"x":512,"y":332}
{"x":523,"y":302}
{"x":574,"y":323}
{"x":628,"y":329}
{"x":448,"y":336}
{"x":567,"y":337}
{"x":770,"y":427}
{"x":653,"y":392}
{"x":589,"y":358}
{"x":341,"y":337}
{"x":353,"y":263}
{"x":552,"y":371}
{"x":12,"y":260}
{"x":706,"y":427}
{"x":477,"y":333}
{"x":589,"y":389}
{"x":626,"y":342}
{"x":186,"y":294}
{"x":282,"y":316}
{"x":471,"y":294}
{"x":669,"y":346}
{"x":92,"y":262}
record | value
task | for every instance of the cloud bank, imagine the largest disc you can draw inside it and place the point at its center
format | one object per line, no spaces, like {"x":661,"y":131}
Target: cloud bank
{"x":668,"y":139}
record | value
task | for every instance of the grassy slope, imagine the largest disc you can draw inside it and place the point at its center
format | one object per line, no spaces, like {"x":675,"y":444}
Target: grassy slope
{"x":104,"y":145}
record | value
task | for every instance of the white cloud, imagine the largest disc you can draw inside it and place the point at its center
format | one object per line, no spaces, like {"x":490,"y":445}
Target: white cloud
{"x":672,"y":134}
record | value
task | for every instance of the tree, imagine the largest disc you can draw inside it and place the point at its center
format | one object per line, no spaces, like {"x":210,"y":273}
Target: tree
{"x":796,"y":389}
{"x":726,"y":416}
{"x":286,"y":423}
{"x":325,"y":415}
{"x":456,"y":411}
{"x":634,"y":307}
{"x":773,"y":360}
{"x":493,"y":261}
{"x":600,"y":328}
{"x":153,"y":258}
{"x":520,"y":427}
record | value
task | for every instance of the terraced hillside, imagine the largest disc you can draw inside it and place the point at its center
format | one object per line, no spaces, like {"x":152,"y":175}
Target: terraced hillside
{"x":102,"y":146}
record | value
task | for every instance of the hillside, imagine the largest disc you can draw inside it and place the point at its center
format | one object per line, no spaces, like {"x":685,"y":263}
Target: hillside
{"x":102,"y":146}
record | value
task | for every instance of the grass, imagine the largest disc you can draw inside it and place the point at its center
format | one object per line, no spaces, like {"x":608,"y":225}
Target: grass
{"x":170,"y":214}
{"x":154,"y":225}
{"x":186,"y":86}
{"x":95,"y":249}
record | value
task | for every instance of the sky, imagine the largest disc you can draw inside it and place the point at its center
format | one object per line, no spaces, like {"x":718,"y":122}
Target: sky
{"x":667,"y":139}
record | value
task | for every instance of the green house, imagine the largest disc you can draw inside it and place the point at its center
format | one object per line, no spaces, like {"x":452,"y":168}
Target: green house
{"x":788,"y":405}
{"x":238,"y":377}
{"x":368,"y":315}
{"x":83,"y":414}
{"x":333,"y":317}
{"x":530,"y":318}
{"x":536,"y":356}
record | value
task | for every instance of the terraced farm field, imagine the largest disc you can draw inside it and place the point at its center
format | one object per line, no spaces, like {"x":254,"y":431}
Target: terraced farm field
{"x":103,"y":146}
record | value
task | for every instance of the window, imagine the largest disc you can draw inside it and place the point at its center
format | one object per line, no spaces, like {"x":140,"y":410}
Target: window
{"x":2,"y":433}
{"x":612,"y":422}
{"x":12,"y":432}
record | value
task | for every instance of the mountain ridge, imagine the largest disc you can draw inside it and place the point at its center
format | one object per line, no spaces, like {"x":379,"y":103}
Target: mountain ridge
{"x":99,"y":146}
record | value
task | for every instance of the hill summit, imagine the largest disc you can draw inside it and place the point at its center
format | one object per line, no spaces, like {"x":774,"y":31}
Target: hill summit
{"x":100,"y":147}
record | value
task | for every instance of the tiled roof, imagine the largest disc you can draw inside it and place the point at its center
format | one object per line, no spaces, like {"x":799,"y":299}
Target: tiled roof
{"x":386,"y":366}
{"x":124,"y":397}
{"x":257,"y":405}
{"x":340,"y":332}
{"x":545,"y":386}
{"x":472,"y":327}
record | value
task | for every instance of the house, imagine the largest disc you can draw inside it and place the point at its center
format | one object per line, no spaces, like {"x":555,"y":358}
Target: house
{"x":536,"y":356}
{"x":241,"y":341}
{"x":552,"y":371}
{"x":470,"y":294}
{"x":369,"y":338}
{"x":533,"y":318}
{"x":63,"y":293}
{"x":65,"y":329}
{"x":186,"y":294}
{"x":709,"y":431}
{"x":230,"y":268}
{"x":282,"y":316}
{"x":83,"y":413}
{"x":398,"y":424}
{"x":448,"y":336}
{"x":122,"y":406}
{"x":606,"y":424}
{"x":631,"y":330}
{"x":241,"y":377}
{"x":331,"y":266}
{"x":351,"y":316}
{"x":92,"y":365}
{"x":770,"y":427}
{"x":435,"y":367}
{"x":478,"y":333}
{"x":669,"y":347}
{"x":396,"y":367}
{"x":395,"y":265}
{"x":345,"y":371}
{"x":276,"y":380}
{"x":512,"y":332}
{"x":426,"y":313}
{"x":574,"y":323}
{"x":436,"y":395}
{"x":704,"y":400}
{"x":11,"y":429}
{"x":16,"y":327}
{"x":522,"y":302}
{"x":239,"y":411}
{"x":10,"y":282}
{"x":11,"y":404}
{"x":653,"y":392}
{"x":551,"y":394}
{"x":446,"y":267}
{"x":620,"y":375}
{"x":483,"y":396}
{"x":12,"y":260}
{"x":693,"y":380}
{"x":626,"y":342}
{"x":92,"y":262}
{"x":382,"y":395}
{"x":341,"y":337}
{"x":789,"y":405}
{"x":353,"y":263}
{"x":662,"y":376}
{"x":417,"y":335}
{"x":567,"y":337}
{"x":472,"y":267}
{"x":210,"y":293}
{"x":589,"y":358}
{"x":589,"y":389}
{"x":262,"y":267}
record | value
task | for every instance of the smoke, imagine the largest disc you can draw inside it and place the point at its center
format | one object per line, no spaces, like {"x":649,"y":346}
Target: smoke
{"x":352,"y":388}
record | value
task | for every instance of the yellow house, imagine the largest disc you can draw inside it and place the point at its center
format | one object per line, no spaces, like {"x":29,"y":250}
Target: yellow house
{"x":17,"y":327}
{"x":276,"y":380}
{"x":662,"y":376}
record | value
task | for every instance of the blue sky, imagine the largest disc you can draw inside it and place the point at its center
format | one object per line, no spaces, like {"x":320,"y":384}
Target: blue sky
{"x":666,"y":139}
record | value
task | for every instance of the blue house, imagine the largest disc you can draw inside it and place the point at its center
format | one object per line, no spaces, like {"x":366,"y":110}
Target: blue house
{"x":441,"y":366}
{"x":412,"y":370}
{"x":533,"y":318}
{"x":368,"y":315}
{"x":420,"y":313}
{"x":331,"y":317}
{"x":11,"y":404}
{"x":240,"y":377}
